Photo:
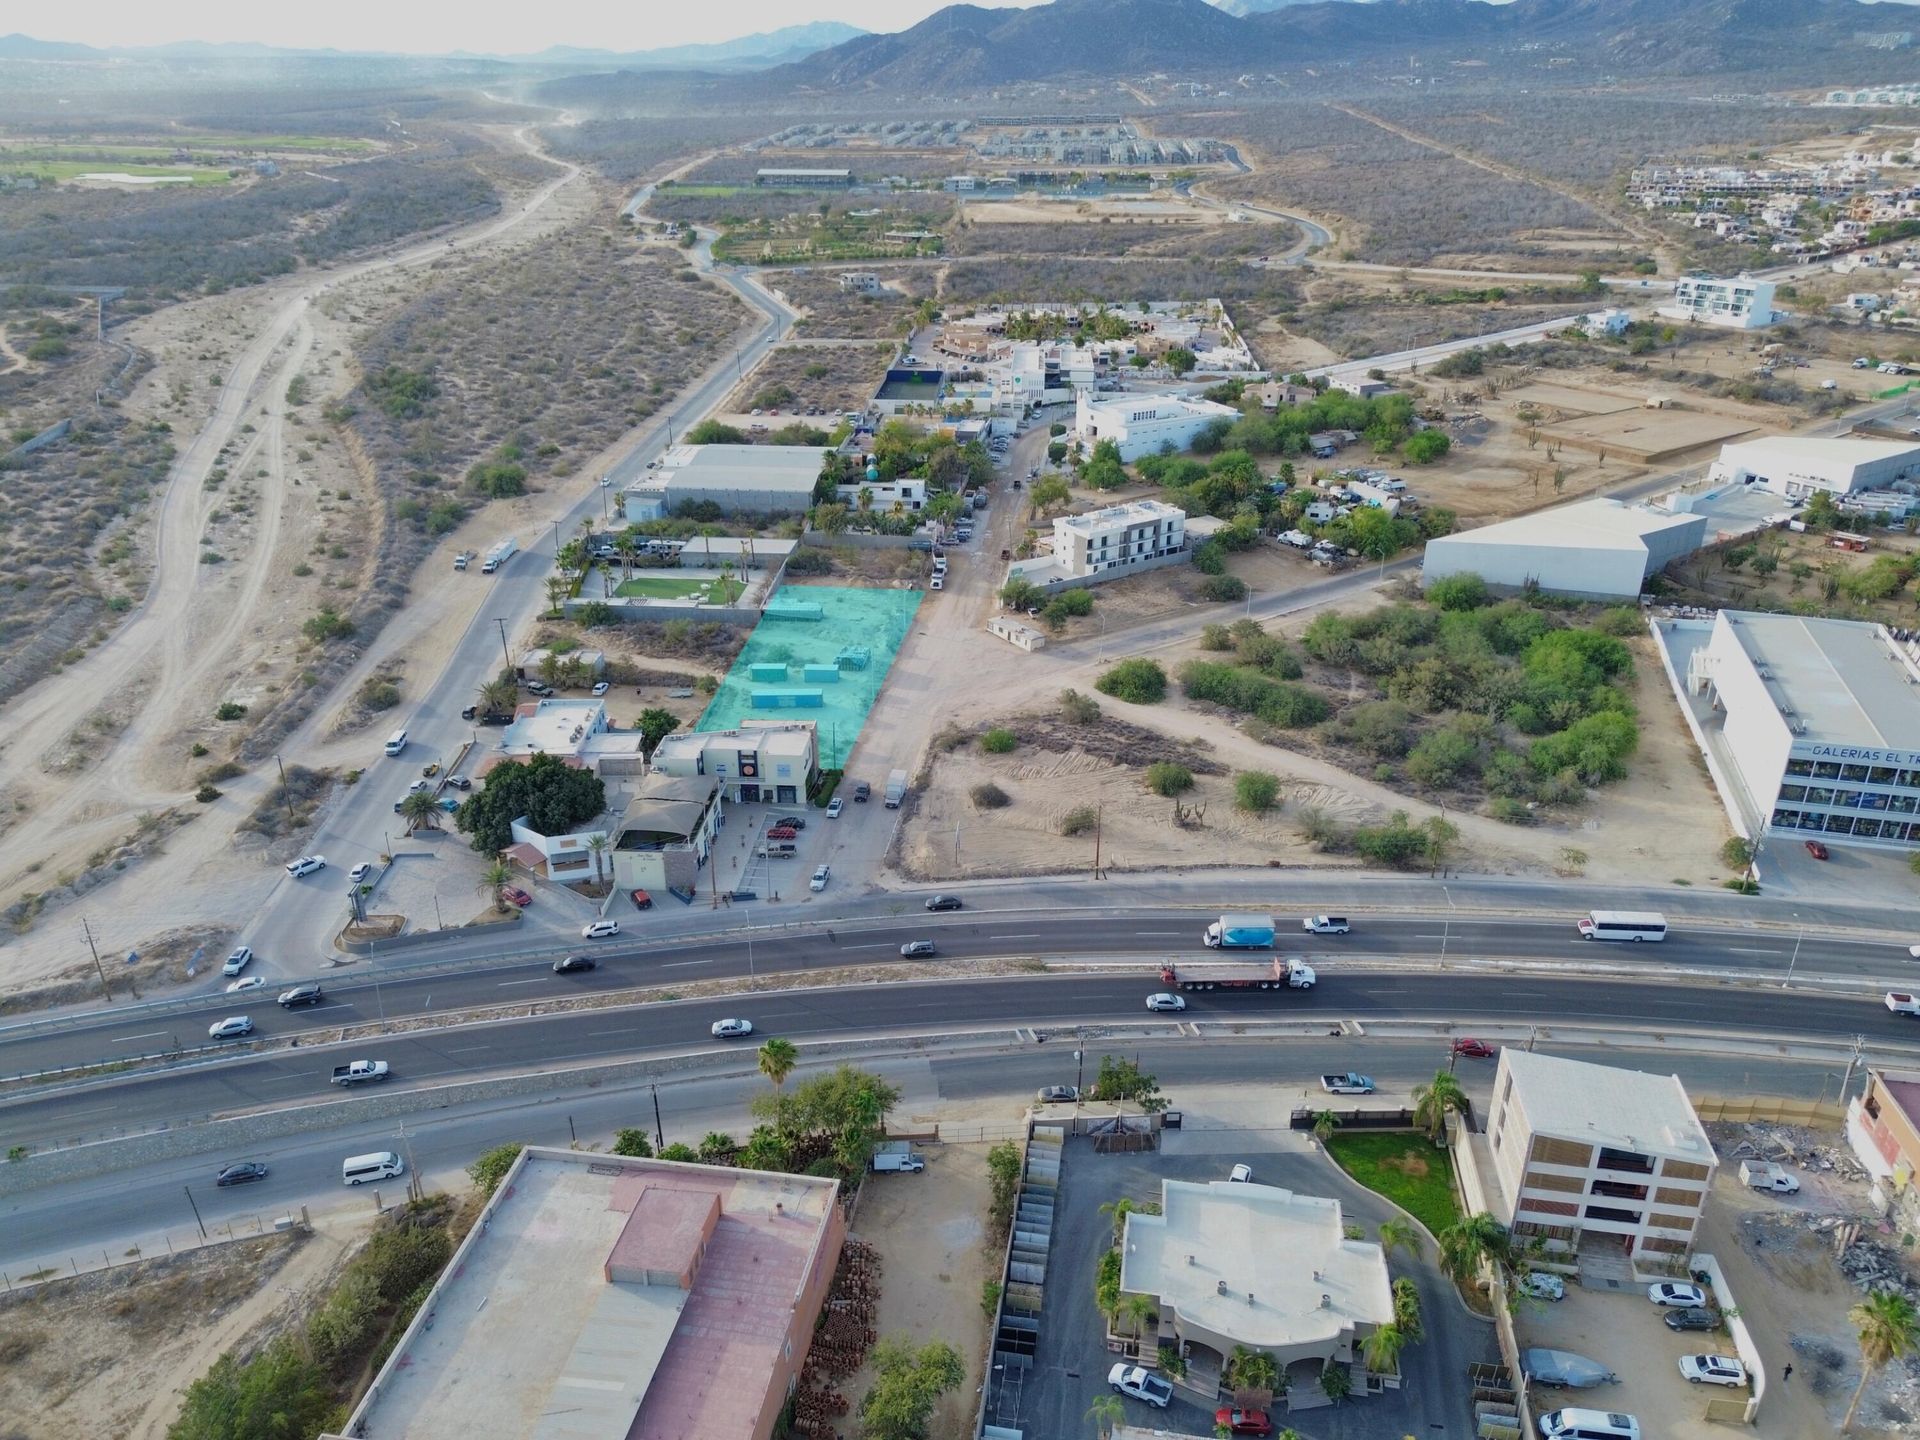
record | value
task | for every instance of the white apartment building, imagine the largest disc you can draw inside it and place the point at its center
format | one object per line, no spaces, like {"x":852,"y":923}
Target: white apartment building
{"x":1106,"y":544}
{"x":1143,"y":425}
{"x":1740,"y":304}
{"x":1604,"y":1165}
{"x":771,"y":761}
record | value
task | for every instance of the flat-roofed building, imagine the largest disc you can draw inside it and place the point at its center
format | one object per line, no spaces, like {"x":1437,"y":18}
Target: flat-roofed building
{"x":1106,"y":544}
{"x":1797,"y":466}
{"x":770,"y":761}
{"x":1810,"y":728}
{"x":603,"y":1297}
{"x":1606,"y":1166}
{"x":574,"y":730}
{"x":1255,"y":1265}
{"x":1740,"y":304}
{"x":1141,"y":425}
{"x":1597,"y":549}
{"x":666,"y":832}
{"x":740,"y":479}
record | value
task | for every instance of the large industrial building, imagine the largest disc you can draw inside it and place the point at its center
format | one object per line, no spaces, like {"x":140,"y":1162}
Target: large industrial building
{"x":1596,"y":549}
{"x":1797,"y":466}
{"x":1601,"y":1164}
{"x":1742,"y":304}
{"x":1141,"y":425}
{"x":601,"y":1297}
{"x":740,"y":479}
{"x":1810,"y":728}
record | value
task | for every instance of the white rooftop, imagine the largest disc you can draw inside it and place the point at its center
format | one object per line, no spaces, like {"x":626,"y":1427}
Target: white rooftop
{"x":1847,"y":449}
{"x":1598,"y":523}
{"x":1605,"y":1105}
{"x":1289,"y":1252}
{"x":1133,"y":409}
{"x":1134,"y":512}
{"x":788,"y":468}
{"x":1844,"y":680}
{"x":554,"y":727}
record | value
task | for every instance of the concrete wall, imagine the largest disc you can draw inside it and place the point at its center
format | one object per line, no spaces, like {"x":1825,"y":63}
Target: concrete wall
{"x":56,"y":431}
{"x":627,"y":609}
{"x":822,"y":540}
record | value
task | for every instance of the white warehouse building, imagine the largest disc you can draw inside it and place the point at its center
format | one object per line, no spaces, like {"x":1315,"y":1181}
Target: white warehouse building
{"x":1742,"y":304}
{"x":740,"y":479}
{"x":1810,"y":728}
{"x":1595,"y":549}
{"x":1141,"y":425}
{"x":1796,"y":465}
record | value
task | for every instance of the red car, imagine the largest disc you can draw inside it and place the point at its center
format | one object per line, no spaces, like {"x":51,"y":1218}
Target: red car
{"x":1817,"y":850}
{"x":1242,"y":1422}
{"x":782,"y":832}
{"x":1474,"y":1049}
{"x":517,"y":896}
{"x":642,"y":900}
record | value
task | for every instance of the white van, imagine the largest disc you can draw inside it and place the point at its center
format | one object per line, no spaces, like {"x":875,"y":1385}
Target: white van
{"x":397,"y":741}
{"x":1589,"y":1425}
{"x":385,"y":1165}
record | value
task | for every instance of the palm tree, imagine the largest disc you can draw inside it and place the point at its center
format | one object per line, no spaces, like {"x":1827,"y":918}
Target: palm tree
{"x":418,"y":809}
{"x":597,"y":844}
{"x":1324,"y":1124}
{"x":494,"y":881}
{"x":1119,"y":1209}
{"x":1252,"y":1370}
{"x":1136,"y":1308}
{"x":1106,"y":1413}
{"x":1467,"y":1244}
{"x":498,"y":697}
{"x":777,"y":1059}
{"x":1406,"y":1310}
{"x":865,"y":499}
{"x":1889,"y":1327}
{"x":1432,"y":1102}
{"x":1381,"y":1350}
{"x":1399,"y":1234}
{"x":628,"y":549}
{"x":717,"y":1146}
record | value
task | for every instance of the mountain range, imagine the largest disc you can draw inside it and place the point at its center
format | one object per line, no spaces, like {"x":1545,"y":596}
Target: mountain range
{"x":967,"y":47}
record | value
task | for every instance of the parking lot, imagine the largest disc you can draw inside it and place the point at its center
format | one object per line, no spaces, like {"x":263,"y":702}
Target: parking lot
{"x":1624,"y":1331}
{"x":1071,"y":1362}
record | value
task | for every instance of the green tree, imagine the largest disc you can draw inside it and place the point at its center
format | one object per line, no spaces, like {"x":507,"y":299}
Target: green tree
{"x":1324,"y":1124}
{"x":1140,"y":682}
{"x":420,"y":809}
{"x":713,"y":432}
{"x":1406,"y":1308}
{"x":1251,"y":1370}
{"x":1255,"y":791}
{"x":841,"y":1114}
{"x":280,"y":1394}
{"x":910,"y":1383}
{"x":1336,"y":1382}
{"x":1433,"y":1101}
{"x":552,"y":795}
{"x":1048,"y":494}
{"x":1021,"y":594}
{"x":1463,"y":591}
{"x":1168,"y":779}
{"x":777,"y":1059}
{"x":1426,"y":446}
{"x":1381,"y":1350}
{"x":632,"y":1142}
{"x":1889,"y":1328}
{"x":491,"y":1168}
{"x":1106,"y":1412}
{"x":1003,"y":1180}
{"x":1181,"y":360}
{"x":654,"y":726}
{"x":1397,"y":1234}
{"x":1467,"y":1244}
{"x":499,"y":696}
{"x":1136,"y":1309}
{"x":717,"y":1147}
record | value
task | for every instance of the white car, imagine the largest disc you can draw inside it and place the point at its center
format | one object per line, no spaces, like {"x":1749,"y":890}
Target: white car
{"x":1542,"y":1285}
{"x":238,"y":960}
{"x":600,"y":930}
{"x":939,"y":582}
{"x":731,"y":1029}
{"x":306,"y":865}
{"x":1913,"y":952}
{"x":1240,"y":1175}
{"x":252,"y":982}
{"x":1164,"y":1001}
{"x":834,"y":807}
{"x":229,"y":1028}
{"x":1141,"y":1384}
{"x":1672,"y":1292}
{"x":361,"y":873}
{"x":599,"y":688}
{"x":1713,"y":1370}
{"x":819,"y":881}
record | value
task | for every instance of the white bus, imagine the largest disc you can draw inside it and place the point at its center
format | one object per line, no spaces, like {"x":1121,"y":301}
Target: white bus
{"x":1622,"y":925}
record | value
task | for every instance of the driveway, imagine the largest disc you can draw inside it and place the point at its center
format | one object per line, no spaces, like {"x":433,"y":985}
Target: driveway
{"x":1071,"y":1363}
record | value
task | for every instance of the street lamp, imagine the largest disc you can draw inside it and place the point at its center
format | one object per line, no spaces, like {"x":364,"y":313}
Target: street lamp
{"x":1796,"y":953}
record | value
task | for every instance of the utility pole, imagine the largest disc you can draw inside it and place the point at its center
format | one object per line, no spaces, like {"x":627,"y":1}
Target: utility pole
{"x":196,"y":1211}
{"x":505,"y":654}
{"x":659,"y":1133}
{"x":1852,"y":1061}
{"x":1099,"y":814}
{"x":99,"y":969}
{"x":285,"y":793}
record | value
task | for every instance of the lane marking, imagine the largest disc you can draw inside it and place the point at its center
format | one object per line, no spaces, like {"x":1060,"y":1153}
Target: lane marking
{"x":1021,"y":935}
{"x":1735,"y":950}
{"x":883,"y":945}
{"x":467,"y":1049}
{"x":535,"y":981}
{"x":129,"y":1039}
{"x":682,"y":964}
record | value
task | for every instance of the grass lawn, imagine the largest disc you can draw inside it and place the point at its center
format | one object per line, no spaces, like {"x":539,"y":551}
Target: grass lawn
{"x":660,"y":587}
{"x":65,"y":170}
{"x":1405,"y":1168}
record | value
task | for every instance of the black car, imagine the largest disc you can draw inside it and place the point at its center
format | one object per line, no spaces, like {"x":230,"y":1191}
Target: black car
{"x":1694,"y":1317}
{"x":794,"y":820}
{"x":572,"y":964}
{"x":244,"y":1173}
{"x":862,"y":792}
{"x":469,"y":712}
{"x":1057,"y":1095}
{"x":943,"y":902}
{"x":302,"y":995}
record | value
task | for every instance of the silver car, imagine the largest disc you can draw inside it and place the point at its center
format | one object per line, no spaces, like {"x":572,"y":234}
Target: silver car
{"x":230,"y":1028}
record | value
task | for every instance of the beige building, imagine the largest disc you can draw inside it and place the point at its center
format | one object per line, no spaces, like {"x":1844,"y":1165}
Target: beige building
{"x":1610,"y":1167}
{"x":1242,"y":1264}
{"x":601,"y":1297}
{"x":1883,"y":1126}
{"x":666,"y":833}
{"x":762,"y":761}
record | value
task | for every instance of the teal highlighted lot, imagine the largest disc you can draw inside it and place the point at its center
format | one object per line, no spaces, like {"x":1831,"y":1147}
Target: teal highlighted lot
{"x":806,"y":634}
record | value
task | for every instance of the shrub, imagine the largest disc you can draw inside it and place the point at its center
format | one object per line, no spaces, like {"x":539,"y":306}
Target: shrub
{"x":989,"y":797}
{"x":1736,"y":853}
{"x":1276,"y":702}
{"x":1256,"y":791}
{"x":196,"y":750}
{"x":1223,"y":588}
{"x":329,"y":624}
{"x":379,"y":694}
{"x":1215,"y":637}
{"x":1166,"y":778}
{"x":1427,"y":446}
{"x":1396,"y":843}
{"x":1078,"y":709}
{"x":998,"y":741}
{"x":230,"y":710}
{"x":1140,"y":682}
{"x":1509,"y":811}
{"x":206,"y":794}
{"x":1080,"y":820}
{"x":1465,"y":591}
{"x":1210,"y":557}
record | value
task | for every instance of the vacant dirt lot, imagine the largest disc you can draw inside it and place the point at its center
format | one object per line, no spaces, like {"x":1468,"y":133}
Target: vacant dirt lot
{"x":805,"y":378}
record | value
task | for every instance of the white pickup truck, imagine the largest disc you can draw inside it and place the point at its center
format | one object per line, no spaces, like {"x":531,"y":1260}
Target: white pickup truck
{"x":1902,"y":1003}
{"x":359,"y":1072}
{"x":1347,"y":1084}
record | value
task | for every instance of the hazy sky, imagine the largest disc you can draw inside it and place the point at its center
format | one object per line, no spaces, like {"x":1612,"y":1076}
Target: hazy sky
{"x":434,"y":28}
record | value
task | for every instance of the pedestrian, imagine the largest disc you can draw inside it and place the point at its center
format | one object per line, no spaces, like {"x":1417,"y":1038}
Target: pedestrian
{"x":1787,"y":1374}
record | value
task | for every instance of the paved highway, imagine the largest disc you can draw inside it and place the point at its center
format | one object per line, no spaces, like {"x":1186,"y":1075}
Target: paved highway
{"x":354,"y":998}
{"x":301,"y":916}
